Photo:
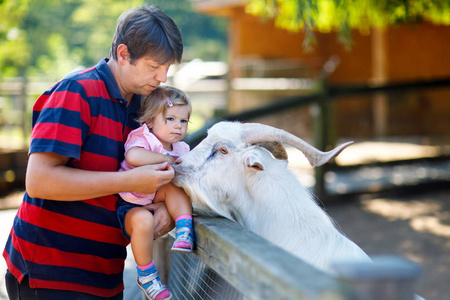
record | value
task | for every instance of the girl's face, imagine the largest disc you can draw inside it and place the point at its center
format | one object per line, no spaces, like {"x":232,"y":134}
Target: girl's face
{"x":173,"y":127}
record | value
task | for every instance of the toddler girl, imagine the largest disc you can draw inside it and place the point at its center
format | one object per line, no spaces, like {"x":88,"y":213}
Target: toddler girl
{"x":164,"y":116}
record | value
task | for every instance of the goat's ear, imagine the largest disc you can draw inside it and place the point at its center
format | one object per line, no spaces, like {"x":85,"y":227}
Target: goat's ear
{"x":252,"y":161}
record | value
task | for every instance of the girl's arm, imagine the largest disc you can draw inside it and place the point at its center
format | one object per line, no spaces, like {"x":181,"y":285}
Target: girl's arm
{"x":137,"y":157}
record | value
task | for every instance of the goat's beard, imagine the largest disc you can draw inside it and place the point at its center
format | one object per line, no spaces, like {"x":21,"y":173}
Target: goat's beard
{"x":199,"y":200}
{"x":206,"y":200}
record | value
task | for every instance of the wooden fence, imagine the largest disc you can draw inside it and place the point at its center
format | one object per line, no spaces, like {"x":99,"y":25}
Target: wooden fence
{"x":233,"y":263}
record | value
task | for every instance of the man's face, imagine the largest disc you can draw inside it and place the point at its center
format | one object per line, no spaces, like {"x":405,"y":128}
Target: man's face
{"x":143,"y":76}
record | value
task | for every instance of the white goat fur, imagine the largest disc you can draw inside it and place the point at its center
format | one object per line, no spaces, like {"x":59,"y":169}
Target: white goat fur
{"x":225,"y":176}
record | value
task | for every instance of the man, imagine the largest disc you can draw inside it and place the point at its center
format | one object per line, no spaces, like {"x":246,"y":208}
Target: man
{"x":66,"y":241}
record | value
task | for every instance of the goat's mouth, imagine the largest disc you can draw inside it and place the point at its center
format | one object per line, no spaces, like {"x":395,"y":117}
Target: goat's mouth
{"x":178,"y":170}
{"x":182,"y":170}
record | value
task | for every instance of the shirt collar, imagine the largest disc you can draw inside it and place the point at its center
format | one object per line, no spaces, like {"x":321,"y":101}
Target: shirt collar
{"x":112,"y":87}
{"x":107,"y":76}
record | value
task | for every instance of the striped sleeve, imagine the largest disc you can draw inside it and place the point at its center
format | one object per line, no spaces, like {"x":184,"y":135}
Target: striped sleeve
{"x":61,"y":120}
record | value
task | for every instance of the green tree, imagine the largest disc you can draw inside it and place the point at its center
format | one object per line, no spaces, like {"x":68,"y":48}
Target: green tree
{"x":14,"y":49}
{"x":345,"y":15}
{"x":203,"y":36}
{"x":48,"y":37}
{"x":51,"y":38}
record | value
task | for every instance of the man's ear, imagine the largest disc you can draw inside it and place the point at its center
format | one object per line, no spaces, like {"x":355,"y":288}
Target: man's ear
{"x":123,"y":55}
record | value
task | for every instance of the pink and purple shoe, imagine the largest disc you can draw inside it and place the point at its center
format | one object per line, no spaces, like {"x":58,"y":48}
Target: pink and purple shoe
{"x":153,"y":287}
{"x":184,"y":241}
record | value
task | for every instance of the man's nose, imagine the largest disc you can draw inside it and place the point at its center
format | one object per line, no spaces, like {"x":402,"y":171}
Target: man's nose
{"x":161,"y":74}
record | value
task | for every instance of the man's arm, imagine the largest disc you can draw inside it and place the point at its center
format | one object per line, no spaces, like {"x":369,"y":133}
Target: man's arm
{"x":48,"y":177}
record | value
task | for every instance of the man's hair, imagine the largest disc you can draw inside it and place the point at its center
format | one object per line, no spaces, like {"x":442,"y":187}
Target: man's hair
{"x":159,"y":101}
{"x":147,"y":30}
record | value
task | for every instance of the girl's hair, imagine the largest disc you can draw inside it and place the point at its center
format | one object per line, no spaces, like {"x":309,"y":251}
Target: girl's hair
{"x":159,"y":100}
{"x":147,"y":30}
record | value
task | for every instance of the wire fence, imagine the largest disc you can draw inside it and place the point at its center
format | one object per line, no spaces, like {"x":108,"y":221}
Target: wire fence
{"x":192,"y":279}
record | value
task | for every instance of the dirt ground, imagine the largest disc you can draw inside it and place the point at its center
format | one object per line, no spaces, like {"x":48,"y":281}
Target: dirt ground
{"x":416,"y":227}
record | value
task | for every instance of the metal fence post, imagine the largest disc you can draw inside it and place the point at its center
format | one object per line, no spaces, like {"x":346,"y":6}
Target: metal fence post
{"x":386,"y":278}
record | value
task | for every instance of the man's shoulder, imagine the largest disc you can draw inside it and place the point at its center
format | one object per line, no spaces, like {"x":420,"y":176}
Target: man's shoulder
{"x":91,"y":84}
{"x":75,"y":80}
{"x":82,"y":74}
{"x":88,"y":81}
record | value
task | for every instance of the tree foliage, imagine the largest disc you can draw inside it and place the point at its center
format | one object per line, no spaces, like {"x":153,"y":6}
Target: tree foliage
{"x":203,"y":36}
{"x":345,"y":15}
{"x":51,"y":37}
{"x":13,"y":45}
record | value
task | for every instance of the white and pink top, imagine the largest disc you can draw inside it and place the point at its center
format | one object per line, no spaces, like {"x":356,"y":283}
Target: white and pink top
{"x":142,"y":137}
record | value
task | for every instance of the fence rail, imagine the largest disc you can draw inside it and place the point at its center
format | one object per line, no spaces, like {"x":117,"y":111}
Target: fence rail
{"x":233,"y":263}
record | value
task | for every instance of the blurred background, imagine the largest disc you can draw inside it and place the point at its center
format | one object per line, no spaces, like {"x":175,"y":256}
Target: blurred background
{"x":375,"y":72}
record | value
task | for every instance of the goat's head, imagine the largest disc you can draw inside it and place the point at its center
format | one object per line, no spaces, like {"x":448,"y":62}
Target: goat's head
{"x":216,"y":172}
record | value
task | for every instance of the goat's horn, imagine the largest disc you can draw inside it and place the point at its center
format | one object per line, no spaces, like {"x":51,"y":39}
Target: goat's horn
{"x":257,"y":133}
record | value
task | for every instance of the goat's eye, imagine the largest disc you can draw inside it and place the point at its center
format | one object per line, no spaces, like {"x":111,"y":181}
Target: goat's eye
{"x":224,"y":150}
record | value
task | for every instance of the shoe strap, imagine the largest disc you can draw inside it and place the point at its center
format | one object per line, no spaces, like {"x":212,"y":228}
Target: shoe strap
{"x":156,"y":288}
{"x":184,"y":235}
{"x":184,"y":230}
{"x":149,"y":278}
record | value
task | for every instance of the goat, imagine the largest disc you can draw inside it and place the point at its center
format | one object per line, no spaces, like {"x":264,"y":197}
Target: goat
{"x":230,"y":175}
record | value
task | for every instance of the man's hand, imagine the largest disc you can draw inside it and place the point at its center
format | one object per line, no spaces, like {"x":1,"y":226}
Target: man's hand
{"x":163,"y":221}
{"x":148,"y":179}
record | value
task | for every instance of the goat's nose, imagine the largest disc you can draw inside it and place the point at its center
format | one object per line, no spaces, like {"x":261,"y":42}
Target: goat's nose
{"x":178,"y":161}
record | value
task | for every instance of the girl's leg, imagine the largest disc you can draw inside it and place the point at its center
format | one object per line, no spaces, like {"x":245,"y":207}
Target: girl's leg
{"x":179,"y":206}
{"x":139,"y":224}
{"x":176,"y":199}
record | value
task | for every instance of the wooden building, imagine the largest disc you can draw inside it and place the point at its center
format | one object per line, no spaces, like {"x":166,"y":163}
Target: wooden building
{"x":404,"y":53}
